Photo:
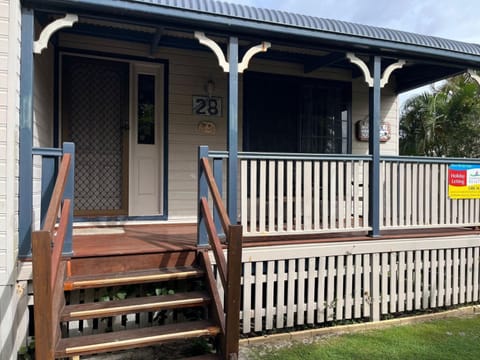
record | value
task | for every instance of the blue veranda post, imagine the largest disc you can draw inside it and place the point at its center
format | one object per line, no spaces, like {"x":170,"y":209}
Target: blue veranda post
{"x":232,"y":130}
{"x":374,"y":149}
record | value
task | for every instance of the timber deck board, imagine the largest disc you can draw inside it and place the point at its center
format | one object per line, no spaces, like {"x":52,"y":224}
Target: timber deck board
{"x":169,"y":238}
{"x":133,"y":305}
{"x":132,"y":277}
{"x":128,"y":339}
{"x":137,"y":239}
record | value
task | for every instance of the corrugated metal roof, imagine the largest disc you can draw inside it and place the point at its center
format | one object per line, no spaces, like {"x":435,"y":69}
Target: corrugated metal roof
{"x":288,"y":19}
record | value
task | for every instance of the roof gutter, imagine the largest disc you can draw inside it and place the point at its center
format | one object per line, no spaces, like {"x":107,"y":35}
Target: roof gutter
{"x":235,"y":24}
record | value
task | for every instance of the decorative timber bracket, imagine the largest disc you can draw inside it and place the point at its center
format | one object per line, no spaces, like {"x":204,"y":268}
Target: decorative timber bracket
{"x":474,"y":75}
{"x":366,"y":71}
{"x":222,"y":61}
{"x":42,"y":42}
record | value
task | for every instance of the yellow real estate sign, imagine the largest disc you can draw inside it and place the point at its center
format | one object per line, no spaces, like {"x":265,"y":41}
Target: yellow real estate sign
{"x":464,"y":181}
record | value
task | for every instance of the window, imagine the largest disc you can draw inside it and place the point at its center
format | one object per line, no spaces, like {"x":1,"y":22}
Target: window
{"x":146,"y":109}
{"x":288,"y":114}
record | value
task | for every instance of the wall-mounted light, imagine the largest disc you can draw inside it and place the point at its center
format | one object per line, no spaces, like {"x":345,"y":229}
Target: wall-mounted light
{"x":210,"y":88}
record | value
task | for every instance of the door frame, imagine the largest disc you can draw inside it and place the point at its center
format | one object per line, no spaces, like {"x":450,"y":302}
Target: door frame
{"x":58,"y":132}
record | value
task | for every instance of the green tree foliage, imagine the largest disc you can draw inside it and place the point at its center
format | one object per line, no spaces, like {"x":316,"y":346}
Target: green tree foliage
{"x":445,"y":122}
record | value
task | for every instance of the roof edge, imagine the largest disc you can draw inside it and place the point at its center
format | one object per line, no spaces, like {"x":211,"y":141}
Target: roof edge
{"x":251,"y":26}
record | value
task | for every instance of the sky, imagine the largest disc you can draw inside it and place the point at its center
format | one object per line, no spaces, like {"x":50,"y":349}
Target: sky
{"x":451,"y":19}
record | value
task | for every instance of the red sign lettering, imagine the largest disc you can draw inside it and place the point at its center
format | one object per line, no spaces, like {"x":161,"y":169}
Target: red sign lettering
{"x":457,"y":177}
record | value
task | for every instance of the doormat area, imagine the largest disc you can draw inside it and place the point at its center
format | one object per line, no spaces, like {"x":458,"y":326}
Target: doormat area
{"x":105,"y":230}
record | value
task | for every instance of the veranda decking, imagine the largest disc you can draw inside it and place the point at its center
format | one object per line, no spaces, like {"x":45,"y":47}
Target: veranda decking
{"x":138,"y":239}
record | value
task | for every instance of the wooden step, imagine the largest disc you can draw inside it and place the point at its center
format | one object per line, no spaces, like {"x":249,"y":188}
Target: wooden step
{"x":127,"y":339}
{"x":130,"y":262}
{"x":132,"y":277}
{"x":134,"y":305}
{"x":203,"y":357}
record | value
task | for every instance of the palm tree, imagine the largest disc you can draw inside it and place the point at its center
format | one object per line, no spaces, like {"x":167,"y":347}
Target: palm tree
{"x":445,"y":122}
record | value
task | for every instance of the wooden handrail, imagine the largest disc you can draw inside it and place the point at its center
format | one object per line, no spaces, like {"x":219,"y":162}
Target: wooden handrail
{"x":229,"y":273}
{"x":48,"y":270}
{"x":214,"y":241}
{"x":217,"y":198}
{"x":217,"y":303}
{"x":59,"y":240}
{"x":232,"y":291}
{"x":58,"y":190}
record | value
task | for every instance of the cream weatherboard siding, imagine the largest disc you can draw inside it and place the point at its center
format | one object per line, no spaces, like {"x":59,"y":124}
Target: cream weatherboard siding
{"x":389,"y":113}
{"x":188,"y":74}
{"x":13,"y":314}
{"x":42,"y":118}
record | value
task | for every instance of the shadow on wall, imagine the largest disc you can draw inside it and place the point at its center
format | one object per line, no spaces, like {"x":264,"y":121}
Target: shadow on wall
{"x":13,"y":315}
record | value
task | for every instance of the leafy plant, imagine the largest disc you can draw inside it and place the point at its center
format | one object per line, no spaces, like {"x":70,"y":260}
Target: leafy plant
{"x":443,"y":122}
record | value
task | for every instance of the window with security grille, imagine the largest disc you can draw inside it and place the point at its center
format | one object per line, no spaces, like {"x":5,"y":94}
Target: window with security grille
{"x":296,"y":115}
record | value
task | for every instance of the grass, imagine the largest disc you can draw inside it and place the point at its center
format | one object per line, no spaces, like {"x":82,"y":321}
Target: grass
{"x":452,"y":338}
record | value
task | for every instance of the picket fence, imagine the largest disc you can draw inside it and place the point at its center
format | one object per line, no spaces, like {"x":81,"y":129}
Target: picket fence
{"x":295,"y":285}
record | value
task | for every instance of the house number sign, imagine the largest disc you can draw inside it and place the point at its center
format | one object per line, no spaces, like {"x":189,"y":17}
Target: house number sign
{"x":207,"y":106}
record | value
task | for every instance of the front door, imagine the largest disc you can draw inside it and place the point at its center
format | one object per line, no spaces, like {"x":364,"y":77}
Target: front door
{"x":146,"y":140}
{"x":95,"y":116}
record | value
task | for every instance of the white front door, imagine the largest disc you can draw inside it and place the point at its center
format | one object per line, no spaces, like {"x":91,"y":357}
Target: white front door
{"x":146,"y":176}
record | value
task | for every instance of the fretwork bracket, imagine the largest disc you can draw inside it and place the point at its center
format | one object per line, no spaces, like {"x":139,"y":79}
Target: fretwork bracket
{"x":42,"y":42}
{"x":366,"y":71}
{"x":222,"y":61}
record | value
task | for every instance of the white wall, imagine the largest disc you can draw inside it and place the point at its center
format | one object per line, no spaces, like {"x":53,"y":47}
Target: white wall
{"x":13,"y":315}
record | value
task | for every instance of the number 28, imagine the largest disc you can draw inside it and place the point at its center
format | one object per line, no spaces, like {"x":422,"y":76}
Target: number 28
{"x":206,"y":106}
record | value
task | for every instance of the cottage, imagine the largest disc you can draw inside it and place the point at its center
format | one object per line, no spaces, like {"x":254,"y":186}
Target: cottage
{"x":291,"y":120}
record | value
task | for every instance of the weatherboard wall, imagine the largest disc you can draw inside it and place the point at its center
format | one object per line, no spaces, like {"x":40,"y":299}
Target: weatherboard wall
{"x":189,"y":71}
{"x":13,"y":314}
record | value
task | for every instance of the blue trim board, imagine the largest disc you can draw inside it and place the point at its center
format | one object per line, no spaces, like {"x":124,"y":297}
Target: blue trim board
{"x":25,"y":205}
{"x":374,"y":149}
{"x":113,"y":56}
{"x":166,"y":84}
{"x":69,"y":193}
{"x":202,"y":191}
{"x":56,"y":97}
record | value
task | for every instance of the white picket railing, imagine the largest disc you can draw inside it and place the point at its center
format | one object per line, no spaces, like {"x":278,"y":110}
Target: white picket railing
{"x":415,"y":194}
{"x":282,"y":194}
{"x":294,"y":285}
{"x":287,"y":194}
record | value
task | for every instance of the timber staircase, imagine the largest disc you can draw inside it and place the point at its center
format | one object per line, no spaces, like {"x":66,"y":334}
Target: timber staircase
{"x":56,"y":277}
{"x":181,"y":270}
